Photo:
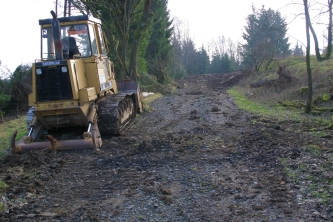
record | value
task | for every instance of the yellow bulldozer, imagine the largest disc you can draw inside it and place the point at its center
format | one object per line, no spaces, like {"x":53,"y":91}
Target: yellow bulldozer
{"x":73,"y":85}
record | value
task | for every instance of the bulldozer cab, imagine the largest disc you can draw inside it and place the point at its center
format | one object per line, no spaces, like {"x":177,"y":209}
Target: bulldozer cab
{"x":74,"y":65}
{"x":84,"y":39}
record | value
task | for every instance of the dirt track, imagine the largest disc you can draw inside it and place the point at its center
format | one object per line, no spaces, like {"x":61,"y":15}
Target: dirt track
{"x":195,"y":157}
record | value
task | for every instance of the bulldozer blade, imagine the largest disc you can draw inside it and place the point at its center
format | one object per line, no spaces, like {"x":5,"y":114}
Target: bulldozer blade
{"x":52,"y":144}
{"x":90,"y":140}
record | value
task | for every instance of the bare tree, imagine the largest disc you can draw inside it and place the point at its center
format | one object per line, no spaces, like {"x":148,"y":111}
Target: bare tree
{"x":308,"y":66}
{"x":329,"y":33}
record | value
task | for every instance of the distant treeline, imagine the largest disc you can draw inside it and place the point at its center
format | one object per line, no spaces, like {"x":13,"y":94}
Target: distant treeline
{"x":150,"y":42}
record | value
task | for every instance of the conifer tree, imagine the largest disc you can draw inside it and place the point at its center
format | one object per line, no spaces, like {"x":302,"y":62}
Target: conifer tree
{"x":159,"y":42}
{"x":265,"y":36}
{"x":298,"y":50}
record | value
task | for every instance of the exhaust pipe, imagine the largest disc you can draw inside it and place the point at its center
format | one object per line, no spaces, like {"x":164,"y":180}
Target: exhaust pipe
{"x":57,"y":37}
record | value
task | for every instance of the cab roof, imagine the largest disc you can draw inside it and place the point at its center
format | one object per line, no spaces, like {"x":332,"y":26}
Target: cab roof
{"x":70,"y":19}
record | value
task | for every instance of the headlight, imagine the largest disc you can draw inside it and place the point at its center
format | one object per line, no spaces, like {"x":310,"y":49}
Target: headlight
{"x":38,"y":71}
{"x":64,"y":69}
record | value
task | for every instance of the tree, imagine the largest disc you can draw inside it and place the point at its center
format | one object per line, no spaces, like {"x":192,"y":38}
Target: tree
{"x":116,"y":16}
{"x":4,"y":96}
{"x":141,"y":27}
{"x":265,"y":38}
{"x":329,"y":34}
{"x":203,"y":61}
{"x":176,"y":67}
{"x":308,"y":66}
{"x":20,"y":87}
{"x":158,"y":51}
{"x":298,"y":50}
{"x":223,"y":47}
{"x":5,"y":75}
{"x":221,"y":63}
{"x":189,"y":56}
{"x":215,"y":65}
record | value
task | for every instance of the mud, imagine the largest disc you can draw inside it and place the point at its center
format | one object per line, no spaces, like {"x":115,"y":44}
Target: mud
{"x":195,"y":157}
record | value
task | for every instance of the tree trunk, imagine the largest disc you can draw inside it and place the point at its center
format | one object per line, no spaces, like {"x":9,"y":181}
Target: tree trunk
{"x":122,"y":63}
{"x":308,"y":67}
{"x":329,"y":36}
{"x":315,"y":39}
{"x":142,"y":26}
{"x":329,"y":32}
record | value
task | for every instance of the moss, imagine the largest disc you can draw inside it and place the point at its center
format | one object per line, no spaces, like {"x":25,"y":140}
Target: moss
{"x":3,"y":186}
{"x":321,"y":98}
{"x":303,"y":90}
{"x":330,"y":126}
{"x":292,"y":104}
{"x":3,"y":207}
{"x":320,"y":109}
{"x":317,"y":100}
{"x":326,"y":97}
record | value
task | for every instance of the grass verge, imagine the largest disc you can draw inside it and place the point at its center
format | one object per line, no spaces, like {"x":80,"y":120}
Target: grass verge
{"x":7,"y":129}
{"x":147,"y":100}
{"x":276,"y":111}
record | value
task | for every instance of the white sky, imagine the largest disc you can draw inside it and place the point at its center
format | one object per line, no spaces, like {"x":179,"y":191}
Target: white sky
{"x":20,"y":31}
{"x":207,"y":20}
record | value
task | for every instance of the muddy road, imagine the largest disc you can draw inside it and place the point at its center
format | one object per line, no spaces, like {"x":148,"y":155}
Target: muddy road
{"x":194,"y":157}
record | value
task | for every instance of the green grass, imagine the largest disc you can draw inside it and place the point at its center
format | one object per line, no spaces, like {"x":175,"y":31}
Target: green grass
{"x":147,"y":100}
{"x":149,"y":83}
{"x":325,"y":196}
{"x":3,"y":186}
{"x":246,"y":104}
{"x":8,"y":128}
{"x":281,"y":113}
{"x":299,"y":64}
{"x":3,"y":207}
{"x":152,"y":98}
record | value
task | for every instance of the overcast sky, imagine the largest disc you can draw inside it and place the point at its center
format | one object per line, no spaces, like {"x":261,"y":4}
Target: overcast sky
{"x":210,"y":19}
{"x":207,"y":20}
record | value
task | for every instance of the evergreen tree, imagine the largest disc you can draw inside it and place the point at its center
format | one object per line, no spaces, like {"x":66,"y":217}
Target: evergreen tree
{"x":221,"y":63}
{"x":226,"y":64}
{"x":298,"y":50}
{"x":176,"y":66}
{"x":159,"y":43}
{"x":203,"y":61}
{"x":122,"y":20}
{"x":189,"y":57}
{"x":215,"y":65}
{"x":265,"y":38}
{"x":142,"y":48}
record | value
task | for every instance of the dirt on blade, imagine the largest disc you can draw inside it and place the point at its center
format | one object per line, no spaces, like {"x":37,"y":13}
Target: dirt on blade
{"x":195,"y":157}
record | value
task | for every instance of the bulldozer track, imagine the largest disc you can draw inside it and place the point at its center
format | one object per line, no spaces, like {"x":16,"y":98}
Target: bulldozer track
{"x":116,"y":113}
